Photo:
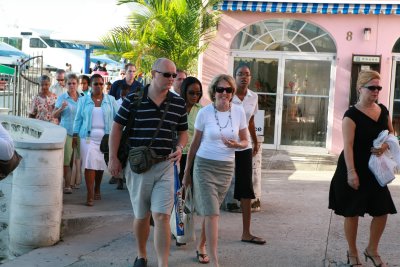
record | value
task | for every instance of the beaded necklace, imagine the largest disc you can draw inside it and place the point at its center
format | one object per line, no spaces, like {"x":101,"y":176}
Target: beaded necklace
{"x":227,"y":122}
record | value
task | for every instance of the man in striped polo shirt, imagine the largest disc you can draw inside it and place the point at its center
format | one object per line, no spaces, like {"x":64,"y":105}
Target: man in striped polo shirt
{"x":152,"y":191}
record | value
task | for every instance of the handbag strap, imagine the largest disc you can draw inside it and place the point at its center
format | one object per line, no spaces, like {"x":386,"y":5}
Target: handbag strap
{"x":136,"y":104}
{"x":160,"y":122}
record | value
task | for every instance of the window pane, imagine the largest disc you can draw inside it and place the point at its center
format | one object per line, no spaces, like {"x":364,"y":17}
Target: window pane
{"x":36,"y":43}
{"x":284,"y":35}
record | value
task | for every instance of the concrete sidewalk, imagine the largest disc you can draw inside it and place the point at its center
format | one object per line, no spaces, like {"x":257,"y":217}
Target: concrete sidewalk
{"x":294,"y":219}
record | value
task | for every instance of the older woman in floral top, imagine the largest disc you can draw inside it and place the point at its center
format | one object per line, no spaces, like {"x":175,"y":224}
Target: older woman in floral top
{"x":43,"y":104}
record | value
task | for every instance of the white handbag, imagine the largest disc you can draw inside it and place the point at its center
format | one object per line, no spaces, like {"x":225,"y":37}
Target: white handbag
{"x":187,"y":220}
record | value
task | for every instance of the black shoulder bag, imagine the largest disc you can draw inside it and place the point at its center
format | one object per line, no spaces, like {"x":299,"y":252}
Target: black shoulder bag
{"x":142,"y":158}
{"x":123,"y":149}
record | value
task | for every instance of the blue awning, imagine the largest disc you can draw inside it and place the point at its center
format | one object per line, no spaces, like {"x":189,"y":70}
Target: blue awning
{"x":309,"y":8}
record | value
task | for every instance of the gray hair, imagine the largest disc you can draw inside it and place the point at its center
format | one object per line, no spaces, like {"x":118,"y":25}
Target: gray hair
{"x":72,"y":76}
{"x":60,"y":71}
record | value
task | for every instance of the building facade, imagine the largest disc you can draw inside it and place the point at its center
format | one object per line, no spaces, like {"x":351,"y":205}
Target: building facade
{"x":305,"y":57}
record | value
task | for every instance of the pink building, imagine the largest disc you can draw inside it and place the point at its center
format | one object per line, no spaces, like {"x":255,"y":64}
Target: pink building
{"x":305,"y":56}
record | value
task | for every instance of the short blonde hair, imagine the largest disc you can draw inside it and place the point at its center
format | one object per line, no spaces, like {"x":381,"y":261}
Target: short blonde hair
{"x":214,"y":83}
{"x":365,"y":76}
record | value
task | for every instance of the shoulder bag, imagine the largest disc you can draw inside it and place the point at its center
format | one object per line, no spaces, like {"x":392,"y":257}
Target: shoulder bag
{"x":8,"y":166}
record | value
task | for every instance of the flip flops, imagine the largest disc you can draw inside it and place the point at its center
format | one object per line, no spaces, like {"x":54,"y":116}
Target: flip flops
{"x":255,"y":240}
{"x":202,"y":258}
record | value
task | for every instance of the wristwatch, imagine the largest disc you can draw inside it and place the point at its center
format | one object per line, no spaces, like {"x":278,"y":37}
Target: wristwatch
{"x":179,"y":145}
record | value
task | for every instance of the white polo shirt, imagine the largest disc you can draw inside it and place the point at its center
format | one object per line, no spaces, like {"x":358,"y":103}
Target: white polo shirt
{"x":250,"y":106}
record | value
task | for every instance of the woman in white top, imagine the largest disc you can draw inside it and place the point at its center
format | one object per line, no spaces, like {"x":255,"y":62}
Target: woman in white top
{"x":6,"y":145}
{"x":220,"y":129}
{"x":93,"y":119}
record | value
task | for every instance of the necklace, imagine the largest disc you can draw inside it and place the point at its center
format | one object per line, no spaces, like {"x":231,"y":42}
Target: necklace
{"x":227,"y":122}
{"x":97,"y":99}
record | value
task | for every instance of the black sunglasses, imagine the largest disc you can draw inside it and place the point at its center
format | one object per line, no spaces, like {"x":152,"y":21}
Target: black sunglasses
{"x":373,"y":87}
{"x":96,"y":84}
{"x":220,"y":90}
{"x":194,"y":93}
{"x":167,"y":74}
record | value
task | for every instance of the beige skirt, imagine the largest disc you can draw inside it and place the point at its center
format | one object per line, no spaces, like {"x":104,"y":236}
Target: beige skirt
{"x":211,"y":181}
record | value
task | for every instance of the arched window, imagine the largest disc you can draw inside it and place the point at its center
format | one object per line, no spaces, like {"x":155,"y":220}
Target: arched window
{"x":284,"y":35}
{"x":396,"y":47}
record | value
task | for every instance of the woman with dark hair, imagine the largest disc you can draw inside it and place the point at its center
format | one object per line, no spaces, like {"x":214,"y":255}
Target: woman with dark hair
{"x":43,"y":104}
{"x":94,"y":118}
{"x":191,"y":92}
{"x":220,"y":129}
{"x":84,"y":82}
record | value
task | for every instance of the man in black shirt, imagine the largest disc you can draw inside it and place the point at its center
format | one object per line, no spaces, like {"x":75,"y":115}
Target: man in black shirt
{"x":129,"y":79}
{"x":152,"y":192}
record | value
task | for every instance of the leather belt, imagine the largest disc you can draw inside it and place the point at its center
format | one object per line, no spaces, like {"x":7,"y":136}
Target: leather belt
{"x":160,"y":159}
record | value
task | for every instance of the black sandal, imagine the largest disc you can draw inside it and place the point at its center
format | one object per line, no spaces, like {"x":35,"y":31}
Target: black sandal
{"x":358,"y":263}
{"x":202,"y":257}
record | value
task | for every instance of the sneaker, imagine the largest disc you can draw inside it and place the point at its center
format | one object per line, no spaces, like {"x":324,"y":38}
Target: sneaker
{"x":142,"y":262}
{"x":68,"y":190}
{"x":233,"y":207}
{"x":256,"y":206}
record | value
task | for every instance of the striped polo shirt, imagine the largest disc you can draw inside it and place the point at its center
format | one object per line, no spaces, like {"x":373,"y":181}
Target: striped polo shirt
{"x":147,"y":118}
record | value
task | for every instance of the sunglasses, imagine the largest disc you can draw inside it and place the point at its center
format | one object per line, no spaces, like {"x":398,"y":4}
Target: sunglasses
{"x":60,"y":80}
{"x":373,"y":87}
{"x":167,"y":74}
{"x":96,"y":84}
{"x":194,"y":93}
{"x":228,"y":90}
{"x":71,"y":83}
{"x":240,"y":74}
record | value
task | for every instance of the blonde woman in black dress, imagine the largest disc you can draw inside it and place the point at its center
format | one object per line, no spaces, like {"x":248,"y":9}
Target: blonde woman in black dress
{"x":354,"y":189}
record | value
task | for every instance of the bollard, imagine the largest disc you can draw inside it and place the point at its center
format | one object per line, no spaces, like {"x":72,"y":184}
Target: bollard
{"x":36,"y":198}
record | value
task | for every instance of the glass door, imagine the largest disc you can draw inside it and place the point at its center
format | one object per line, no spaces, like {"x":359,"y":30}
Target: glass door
{"x":304,"y":113}
{"x":396,"y":95}
{"x":264,"y":81}
{"x":293,"y":98}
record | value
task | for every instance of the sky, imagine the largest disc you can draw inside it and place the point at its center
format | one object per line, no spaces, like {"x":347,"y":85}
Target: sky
{"x":84,"y":20}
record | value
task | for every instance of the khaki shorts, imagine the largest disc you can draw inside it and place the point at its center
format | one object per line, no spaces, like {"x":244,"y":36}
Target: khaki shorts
{"x":152,"y":190}
{"x":68,"y":150}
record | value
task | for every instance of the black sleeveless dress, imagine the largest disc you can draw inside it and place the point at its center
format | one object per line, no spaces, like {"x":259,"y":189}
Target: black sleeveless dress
{"x":370,"y":197}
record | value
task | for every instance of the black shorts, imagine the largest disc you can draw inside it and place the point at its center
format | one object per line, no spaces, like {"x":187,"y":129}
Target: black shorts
{"x":244,"y":174}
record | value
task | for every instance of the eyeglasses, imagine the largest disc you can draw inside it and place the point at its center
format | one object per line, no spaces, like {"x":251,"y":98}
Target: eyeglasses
{"x":373,"y":87}
{"x":167,"y":74}
{"x":194,"y":93}
{"x":96,"y":84}
{"x":228,"y":90}
{"x":243,"y":74}
{"x":71,"y":83}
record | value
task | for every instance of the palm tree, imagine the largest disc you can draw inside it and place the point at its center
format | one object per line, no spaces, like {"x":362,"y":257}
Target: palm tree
{"x":176,"y":29}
